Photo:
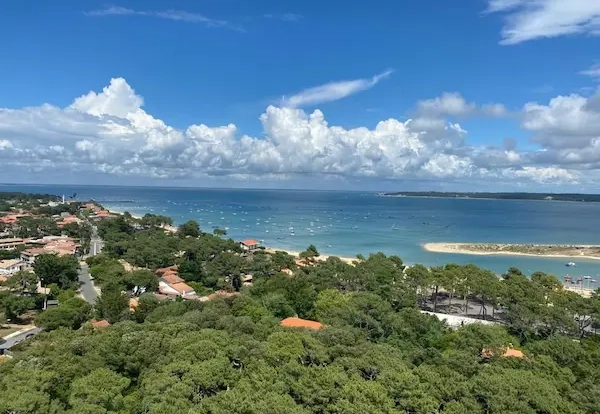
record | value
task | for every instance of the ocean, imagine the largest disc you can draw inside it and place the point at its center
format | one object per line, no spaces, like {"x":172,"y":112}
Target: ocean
{"x":351,"y":223}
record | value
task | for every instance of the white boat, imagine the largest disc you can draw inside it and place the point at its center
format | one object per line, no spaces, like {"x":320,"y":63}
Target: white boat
{"x":571,"y":264}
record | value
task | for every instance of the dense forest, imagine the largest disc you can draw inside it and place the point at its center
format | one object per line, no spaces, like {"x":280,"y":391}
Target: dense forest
{"x":377,"y":352}
{"x":594,"y":198}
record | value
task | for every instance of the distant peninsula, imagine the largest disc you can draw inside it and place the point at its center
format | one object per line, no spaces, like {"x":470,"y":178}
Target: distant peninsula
{"x":590,"y":198}
{"x":540,"y":250}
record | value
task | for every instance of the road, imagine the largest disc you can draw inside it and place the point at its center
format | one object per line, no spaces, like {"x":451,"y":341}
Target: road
{"x":86,"y":285}
{"x":13,"y":340}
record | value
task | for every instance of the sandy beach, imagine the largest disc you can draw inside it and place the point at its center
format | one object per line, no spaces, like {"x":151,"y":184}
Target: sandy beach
{"x":349,"y":260}
{"x":551,"y":251}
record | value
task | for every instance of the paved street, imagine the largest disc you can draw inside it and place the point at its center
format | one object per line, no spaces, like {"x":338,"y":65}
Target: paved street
{"x":13,"y":339}
{"x":86,"y":286}
{"x":87,"y":289}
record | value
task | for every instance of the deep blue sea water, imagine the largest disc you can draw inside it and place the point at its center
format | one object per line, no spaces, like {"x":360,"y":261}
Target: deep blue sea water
{"x":348,"y":223}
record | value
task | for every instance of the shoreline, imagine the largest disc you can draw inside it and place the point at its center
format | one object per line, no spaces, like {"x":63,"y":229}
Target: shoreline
{"x":322,"y":257}
{"x":269,"y":249}
{"x":463,"y":248}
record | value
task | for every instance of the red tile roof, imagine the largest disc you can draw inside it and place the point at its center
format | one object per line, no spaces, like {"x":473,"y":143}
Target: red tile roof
{"x":301,"y":323}
{"x":250,"y":242}
{"x":509,"y":352}
{"x":182,"y":288}
{"x":171,"y":278}
{"x":170,"y":269}
{"x":101,"y":324}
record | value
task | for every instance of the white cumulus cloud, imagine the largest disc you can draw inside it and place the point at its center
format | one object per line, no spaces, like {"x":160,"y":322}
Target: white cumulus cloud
{"x":110,"y":132}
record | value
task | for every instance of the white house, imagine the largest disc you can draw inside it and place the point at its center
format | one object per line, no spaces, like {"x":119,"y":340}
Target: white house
{"x":11,"y":266}
{"x":171,"y":284}
{"x":249,"y":244}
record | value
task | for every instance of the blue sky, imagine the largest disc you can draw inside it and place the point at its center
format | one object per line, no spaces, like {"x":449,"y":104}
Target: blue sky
{"x":222,"y":62}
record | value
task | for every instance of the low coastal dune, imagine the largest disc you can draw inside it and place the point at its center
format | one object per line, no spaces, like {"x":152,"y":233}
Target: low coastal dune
{"x":539,"y":250}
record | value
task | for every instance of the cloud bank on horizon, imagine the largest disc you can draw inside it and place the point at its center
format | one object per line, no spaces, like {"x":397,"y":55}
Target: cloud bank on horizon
{"x":110,"y":132}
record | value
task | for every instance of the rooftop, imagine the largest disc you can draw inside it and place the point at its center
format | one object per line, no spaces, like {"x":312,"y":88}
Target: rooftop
{"x":250,"y":242}
{"x":5,"y":264}
{"x":171,"y":278}
{"x":182,"y":287}
{"x":11,"y":240}
{"x":293,"y":322}
{"x":101,"y":324}
{"x":508,"y":352}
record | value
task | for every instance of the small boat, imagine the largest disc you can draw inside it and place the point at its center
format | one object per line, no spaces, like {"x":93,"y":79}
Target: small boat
{"x":570,"y":264}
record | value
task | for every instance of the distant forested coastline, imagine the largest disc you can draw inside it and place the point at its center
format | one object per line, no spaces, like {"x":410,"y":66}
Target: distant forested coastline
{"x":590,"y":198}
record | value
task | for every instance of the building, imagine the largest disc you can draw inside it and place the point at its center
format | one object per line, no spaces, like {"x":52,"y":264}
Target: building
{"x":63,"y":246}
{"x":12,"y":218}
{"x":103,"y":323}
{"x":301,"y":323}
{"x":169,"y":283}
{"x":102,"y":215}
{"x":90,"y":206}
{"x":249,"y":245}
{"x":11,"y":243}
{"x":9,"y":219}
{"x":504,"y":353}
{"x":68,"y":219}
{"x":11,"y":266}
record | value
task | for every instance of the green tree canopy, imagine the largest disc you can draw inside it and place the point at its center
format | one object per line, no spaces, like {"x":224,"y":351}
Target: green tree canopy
{"x":52,"y":268}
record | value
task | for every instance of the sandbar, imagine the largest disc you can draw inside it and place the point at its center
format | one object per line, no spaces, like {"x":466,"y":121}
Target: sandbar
{"x":582,"y":251}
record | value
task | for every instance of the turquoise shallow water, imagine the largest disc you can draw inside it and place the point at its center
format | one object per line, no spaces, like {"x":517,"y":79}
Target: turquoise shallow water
{"x":348,"y":223}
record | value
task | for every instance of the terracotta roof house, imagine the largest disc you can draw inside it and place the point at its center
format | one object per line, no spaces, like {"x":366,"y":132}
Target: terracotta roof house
{"x":12,"y":218}
{"x":171,"y":278}
{"x":164,"y":270}
{"x":90,"y":206}
{"x":249,"y":244}
{"x":508,"y":352}
{"x":293,"y":322}
{"x":170,"y":283}
{"x":101,"y":324}
{"x":68,"y":220}
{"x":62,"y":247}
{"x":101,"y":215}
